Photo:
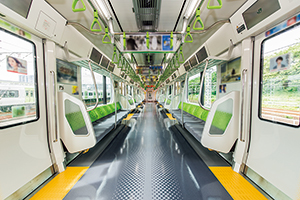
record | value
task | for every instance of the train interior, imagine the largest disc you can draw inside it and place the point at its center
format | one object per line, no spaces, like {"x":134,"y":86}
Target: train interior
{"x":149,"y":99}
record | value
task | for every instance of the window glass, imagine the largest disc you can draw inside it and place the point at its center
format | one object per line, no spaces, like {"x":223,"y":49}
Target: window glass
{"x":280,"y":79}
{"x":222,"y":117}
{"x":75,"y":118}
{"x":88,"y":88}
{"x":18,"y":97}
{"x":108,"y":89}
{"x":194,"y":88}
{"x":210,"y":86}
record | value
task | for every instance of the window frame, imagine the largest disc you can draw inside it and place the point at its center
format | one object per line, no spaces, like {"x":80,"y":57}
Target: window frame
{"x":261,"y":70}
{"x":35,"y":83}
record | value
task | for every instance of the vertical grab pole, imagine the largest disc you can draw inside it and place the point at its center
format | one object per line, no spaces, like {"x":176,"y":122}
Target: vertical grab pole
{"x":54,"y":103}
{"x":114,"y":96}
{"x":244,"y":79}
{"x":183,"y":93}
{"x":96,"y":90}
{"x":201,"y":86}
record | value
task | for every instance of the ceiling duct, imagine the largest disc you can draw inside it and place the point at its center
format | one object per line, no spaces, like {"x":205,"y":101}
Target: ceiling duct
{"x":149,"y":59}
{"x":147,"y":14}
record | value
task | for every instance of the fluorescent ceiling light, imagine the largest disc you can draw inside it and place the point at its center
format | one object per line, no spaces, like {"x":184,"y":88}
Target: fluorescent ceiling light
{"x":191,"y":9}
{"x":103,"y":8}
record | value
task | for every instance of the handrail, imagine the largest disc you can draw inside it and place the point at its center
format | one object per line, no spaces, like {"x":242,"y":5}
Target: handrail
{"x":201,"y":86}
{"x":198,"y":19}
{"x":215,"y":7}
{"x":94,"y":80}
{"x":188,"y":34}
{"x":78,"y":9}
{"x":96,"y":21}
{"x":106,"y":35}
{"x":244,"y":78}
{"x":142,"y":33}
{"x":54,"y":103}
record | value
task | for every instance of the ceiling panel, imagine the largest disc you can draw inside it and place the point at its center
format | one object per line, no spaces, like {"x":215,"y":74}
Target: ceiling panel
{"x":126,"y":16}
{"x":169,"y":13}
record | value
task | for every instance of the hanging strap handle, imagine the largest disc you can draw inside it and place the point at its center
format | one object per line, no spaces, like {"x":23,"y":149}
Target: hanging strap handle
{"x":96,"y":21}
{"x":181,"y":56}
{"x":215,"y":7}
{"x":132,"y":58}
{"x":188,"y":35}
{"x":78,"y":9}
{"x":171,"y":41}
{"x":114,"y":56}
{"x":119,"y":64}
{"x":124,"y":40}
{"x":106,"y":35}
{"x":147,"y":40}
{"x":198,"y":19}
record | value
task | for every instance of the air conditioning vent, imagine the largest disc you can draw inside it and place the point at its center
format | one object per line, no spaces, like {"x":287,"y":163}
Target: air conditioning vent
{"x":147,"y":3}
{"x":147,"y":23}
{"x":149,"y":61}
{"x":147,"y":14}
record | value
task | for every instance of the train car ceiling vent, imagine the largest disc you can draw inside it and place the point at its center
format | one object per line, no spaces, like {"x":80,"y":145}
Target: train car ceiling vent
{"x":147,"y":14}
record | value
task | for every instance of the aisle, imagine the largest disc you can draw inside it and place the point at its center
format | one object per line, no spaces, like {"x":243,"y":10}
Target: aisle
{"x":149,"y":162}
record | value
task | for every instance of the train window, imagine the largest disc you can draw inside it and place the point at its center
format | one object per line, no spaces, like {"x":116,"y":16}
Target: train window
{"x":194,"y":88}
{"x":210,"y":86}
{"x":17,"y":79}
{"x":88,"y":88}
{"x":108,"y":89}
{"x":280,"y":78}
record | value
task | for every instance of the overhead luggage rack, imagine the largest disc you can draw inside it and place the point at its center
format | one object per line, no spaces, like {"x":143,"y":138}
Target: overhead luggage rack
{"x":212,"y":61}
{"x":96,"y":68}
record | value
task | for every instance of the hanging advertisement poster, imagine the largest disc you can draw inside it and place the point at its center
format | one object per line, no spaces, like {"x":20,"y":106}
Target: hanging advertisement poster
{"x":136,"y":43}
{"x":231,"y":71}
{"x":66,"y":72}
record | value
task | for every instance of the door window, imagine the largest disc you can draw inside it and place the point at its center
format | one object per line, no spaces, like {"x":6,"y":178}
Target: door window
{"x":18,"y":83}
{"x":280,"y":78}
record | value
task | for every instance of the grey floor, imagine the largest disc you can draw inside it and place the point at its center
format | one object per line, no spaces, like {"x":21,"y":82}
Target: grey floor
{"x":148,"y":162}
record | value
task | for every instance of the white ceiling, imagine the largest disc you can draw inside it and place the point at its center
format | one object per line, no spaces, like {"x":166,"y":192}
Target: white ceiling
{"x":123,"y":10}
{"x":168,"y":15}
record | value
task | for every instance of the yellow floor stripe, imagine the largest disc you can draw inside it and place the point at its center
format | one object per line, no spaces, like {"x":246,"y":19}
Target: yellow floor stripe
{"x":236,"y":185}
{"x":128,"y":117}
{"x":61,"y":184}
{"x":170,"y":116}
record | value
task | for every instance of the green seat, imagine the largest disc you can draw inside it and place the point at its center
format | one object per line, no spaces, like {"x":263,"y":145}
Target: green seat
{"x":194,"y":110}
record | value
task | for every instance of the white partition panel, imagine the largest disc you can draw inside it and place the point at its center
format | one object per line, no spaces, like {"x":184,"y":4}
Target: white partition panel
{"x":222,"y":125}
{"x":76,"y":129}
